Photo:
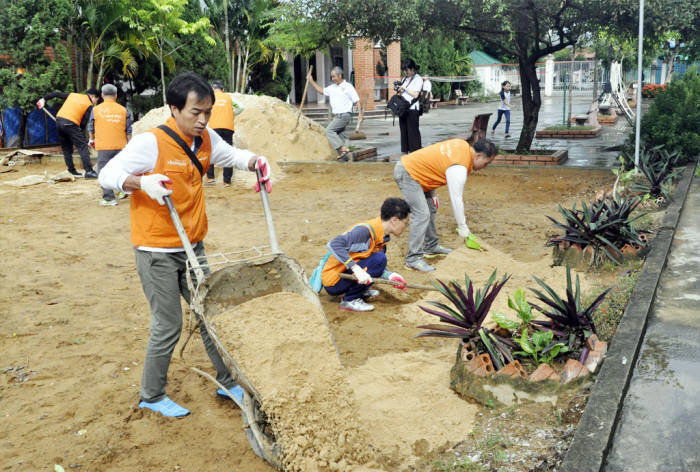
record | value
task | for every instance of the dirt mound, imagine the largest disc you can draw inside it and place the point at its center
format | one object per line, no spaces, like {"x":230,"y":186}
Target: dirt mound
{"x":297,"y":372}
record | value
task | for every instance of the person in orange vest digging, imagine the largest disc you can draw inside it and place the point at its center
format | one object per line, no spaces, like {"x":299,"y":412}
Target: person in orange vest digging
{"x":361,"y":251}
{"x":70,"y":123}
{"x":419,"y":173}
{"x":110,"y":129}
{"x":176,"y":154}
{"x":221,"y":121}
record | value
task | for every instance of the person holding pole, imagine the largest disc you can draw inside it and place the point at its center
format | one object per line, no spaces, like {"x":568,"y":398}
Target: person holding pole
{"x":342,"y":96}
{"x":71,"y":120}
{"x":172,"y":160}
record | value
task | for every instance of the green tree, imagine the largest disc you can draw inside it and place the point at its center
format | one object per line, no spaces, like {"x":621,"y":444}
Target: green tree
{"x":29,"y":27}
{"x":160,"y":24}
{"x":98,"y":19}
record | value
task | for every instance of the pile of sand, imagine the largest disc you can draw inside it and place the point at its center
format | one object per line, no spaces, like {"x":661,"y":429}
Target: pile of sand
{"x":282,"y":343}
{"x":264,"y":127}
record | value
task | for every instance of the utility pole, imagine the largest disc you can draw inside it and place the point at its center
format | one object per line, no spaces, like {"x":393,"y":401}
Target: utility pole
{"x":639,"y":84}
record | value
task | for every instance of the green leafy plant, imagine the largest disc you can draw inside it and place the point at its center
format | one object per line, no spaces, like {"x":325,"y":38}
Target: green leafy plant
{"x":465,"y":318}
{"x":569,"y":321}
{"x":522,"y":309}
{"x":540,"y":347}
{"x":606,"y":225}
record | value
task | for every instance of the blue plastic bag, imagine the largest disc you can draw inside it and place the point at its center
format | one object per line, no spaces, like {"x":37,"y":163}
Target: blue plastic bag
{"x":315,"y":279}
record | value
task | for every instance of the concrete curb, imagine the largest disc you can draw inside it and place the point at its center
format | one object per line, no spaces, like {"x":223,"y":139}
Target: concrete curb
{"x":596,"y":429}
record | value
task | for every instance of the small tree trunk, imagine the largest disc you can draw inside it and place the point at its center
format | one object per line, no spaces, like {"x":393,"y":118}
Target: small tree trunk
{"x":91,"y":66}
{"x":100,"y":73}
{"x":670,"y":63}
{"x":162,"y":73}
{"x":238,"y":64}
{"x":532,"y":100}
{"x":244,"y":71}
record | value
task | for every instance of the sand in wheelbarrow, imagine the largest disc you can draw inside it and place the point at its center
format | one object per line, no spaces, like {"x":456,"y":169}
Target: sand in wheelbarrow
{"x":282,"y":343}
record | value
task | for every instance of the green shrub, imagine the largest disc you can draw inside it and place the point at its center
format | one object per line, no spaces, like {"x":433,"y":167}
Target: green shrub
{"x":673,"y":118}
{"x":608,"y":314}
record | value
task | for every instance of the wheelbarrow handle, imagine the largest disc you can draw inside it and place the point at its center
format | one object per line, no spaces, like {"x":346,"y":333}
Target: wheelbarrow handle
{"x":189,"y":251}
{"x":268,"y":214}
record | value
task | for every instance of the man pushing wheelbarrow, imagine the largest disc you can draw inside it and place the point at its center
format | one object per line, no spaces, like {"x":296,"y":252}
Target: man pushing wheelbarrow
{"x":171,"y":160}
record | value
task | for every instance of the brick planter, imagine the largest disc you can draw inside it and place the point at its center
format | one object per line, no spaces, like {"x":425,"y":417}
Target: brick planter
{"x":572,"y":133}
{"x":474,"y":379}
{"x":556,"y":158}
{"x":603,"y":119}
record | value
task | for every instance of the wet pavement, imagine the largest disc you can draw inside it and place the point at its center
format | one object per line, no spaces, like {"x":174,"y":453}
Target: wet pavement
{"x":445,"y":122}
{"x":659,"y":426}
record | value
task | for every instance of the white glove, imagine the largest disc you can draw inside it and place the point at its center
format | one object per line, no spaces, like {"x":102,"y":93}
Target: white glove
{"x":361,"y":275}
{"x":40,"y":103}
{"x":263,"y":166}
{"x":463,"y":231}
{"x":154,"y":186}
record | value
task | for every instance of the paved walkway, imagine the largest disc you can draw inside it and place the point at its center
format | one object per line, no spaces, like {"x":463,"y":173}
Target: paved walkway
{"x":659,"y":428}
{"x":444,"y":122}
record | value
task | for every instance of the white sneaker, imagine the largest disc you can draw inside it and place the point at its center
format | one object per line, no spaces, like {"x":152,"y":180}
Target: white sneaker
{"x":370,"y":293}
{"x":357,"y":304}
{"x":106,"y":203}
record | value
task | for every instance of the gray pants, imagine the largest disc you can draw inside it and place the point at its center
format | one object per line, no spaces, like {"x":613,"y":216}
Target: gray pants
{"x":336,"y":130}
{"x":163,"y":280}
{"x":422,"y":236}
{"x":103,"y":157}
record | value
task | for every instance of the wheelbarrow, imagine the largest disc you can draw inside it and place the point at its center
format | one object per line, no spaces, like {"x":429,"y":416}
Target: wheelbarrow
{"x":220,"y":282}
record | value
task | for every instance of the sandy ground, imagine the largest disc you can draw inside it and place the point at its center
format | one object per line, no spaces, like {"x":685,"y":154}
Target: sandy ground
{"x":74,"y":321}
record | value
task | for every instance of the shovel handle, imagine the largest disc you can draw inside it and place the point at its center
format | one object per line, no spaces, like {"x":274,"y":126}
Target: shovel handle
{"x":390,"y":282}
{"x":268,"y":214}
{"x":189,"y":251}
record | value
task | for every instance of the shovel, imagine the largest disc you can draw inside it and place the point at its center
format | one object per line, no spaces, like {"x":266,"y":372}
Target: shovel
{"x":355,"y":135}
{"x":377,"y":280}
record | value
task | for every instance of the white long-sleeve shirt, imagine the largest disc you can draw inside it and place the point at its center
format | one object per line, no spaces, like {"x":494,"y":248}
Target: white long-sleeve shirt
{"x":140,"y":155}
{"x":456,"y":176}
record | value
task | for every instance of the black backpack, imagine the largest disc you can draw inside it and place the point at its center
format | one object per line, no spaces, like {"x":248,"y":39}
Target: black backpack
{"x":423,"y":102}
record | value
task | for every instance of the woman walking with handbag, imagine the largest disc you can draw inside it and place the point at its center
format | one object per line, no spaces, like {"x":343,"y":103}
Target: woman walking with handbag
{"x":410,"y":89}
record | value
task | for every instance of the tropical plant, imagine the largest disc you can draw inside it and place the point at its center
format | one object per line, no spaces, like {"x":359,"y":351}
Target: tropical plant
{"x":464,"y":320}
{"x":569,"y":321}
{"x":605,"y":225}
{"x":540,"y":347}
{"x":657,"y":165}
{"x":522,"y":309}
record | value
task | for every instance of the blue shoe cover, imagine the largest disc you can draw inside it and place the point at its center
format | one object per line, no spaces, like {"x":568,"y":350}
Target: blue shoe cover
{"x":166,"y":407}
{"x":236,"y":392}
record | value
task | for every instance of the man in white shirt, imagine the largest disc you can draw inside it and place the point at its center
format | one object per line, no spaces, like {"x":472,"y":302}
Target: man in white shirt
{"x":342,"y":96}
{"x":177,"y":153}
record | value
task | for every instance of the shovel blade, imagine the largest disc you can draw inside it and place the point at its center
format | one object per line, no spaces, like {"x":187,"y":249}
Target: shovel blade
{"x":471,"y":243}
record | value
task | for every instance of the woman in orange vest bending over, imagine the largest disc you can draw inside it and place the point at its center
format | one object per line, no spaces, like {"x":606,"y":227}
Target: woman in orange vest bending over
{"x":70,"y":123}
{"x":361,"y":251}
{"x":419,"y":173}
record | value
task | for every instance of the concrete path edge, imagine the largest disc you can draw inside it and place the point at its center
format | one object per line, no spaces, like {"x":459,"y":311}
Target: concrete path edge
{"x":595,"y":431}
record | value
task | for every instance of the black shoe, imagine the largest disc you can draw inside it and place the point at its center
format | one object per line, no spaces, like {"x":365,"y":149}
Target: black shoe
{"x":74,"y":173}
{"x":90,"y":174}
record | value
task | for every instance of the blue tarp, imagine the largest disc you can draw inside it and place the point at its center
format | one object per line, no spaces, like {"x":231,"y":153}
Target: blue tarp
{"x":40,"y":128}
{"x":10,"y":121}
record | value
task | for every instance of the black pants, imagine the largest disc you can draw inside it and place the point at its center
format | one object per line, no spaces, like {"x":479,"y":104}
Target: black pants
{"x":71,"y":135}
{"x":410,"y":134}
{"x":226,"y":135}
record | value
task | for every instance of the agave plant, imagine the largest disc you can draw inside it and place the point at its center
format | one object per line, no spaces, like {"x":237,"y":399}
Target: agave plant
{"x":606,"y":225}
{"x":465,"y":318}
{"x":568,"y":320}
{"x":657,"y":166}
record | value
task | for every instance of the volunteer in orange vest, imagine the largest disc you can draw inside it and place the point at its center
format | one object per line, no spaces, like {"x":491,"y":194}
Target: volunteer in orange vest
{"x":110,"y":129}
{"x":70,"y":123}
{"x":221,"y":121}
{"x":154,"y":165}
{"x":419,"y":173}
{"x":361,"y":251}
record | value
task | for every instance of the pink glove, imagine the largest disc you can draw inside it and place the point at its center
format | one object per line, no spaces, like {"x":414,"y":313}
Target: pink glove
{"x":263,"y":166}
{"x":91,"y":143}
{"x":40,"y":103}
{"x":436,"y":202}
{"x":394,"y":277}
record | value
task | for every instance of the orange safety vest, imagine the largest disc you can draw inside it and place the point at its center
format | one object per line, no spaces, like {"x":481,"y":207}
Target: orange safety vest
{"x":222,"y":111}
{"x":74,"y":108}
{"x":110,"y":125}
{"x":333,"y":266}
{"x":428,"y":165}
{"x":151,"y":225}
